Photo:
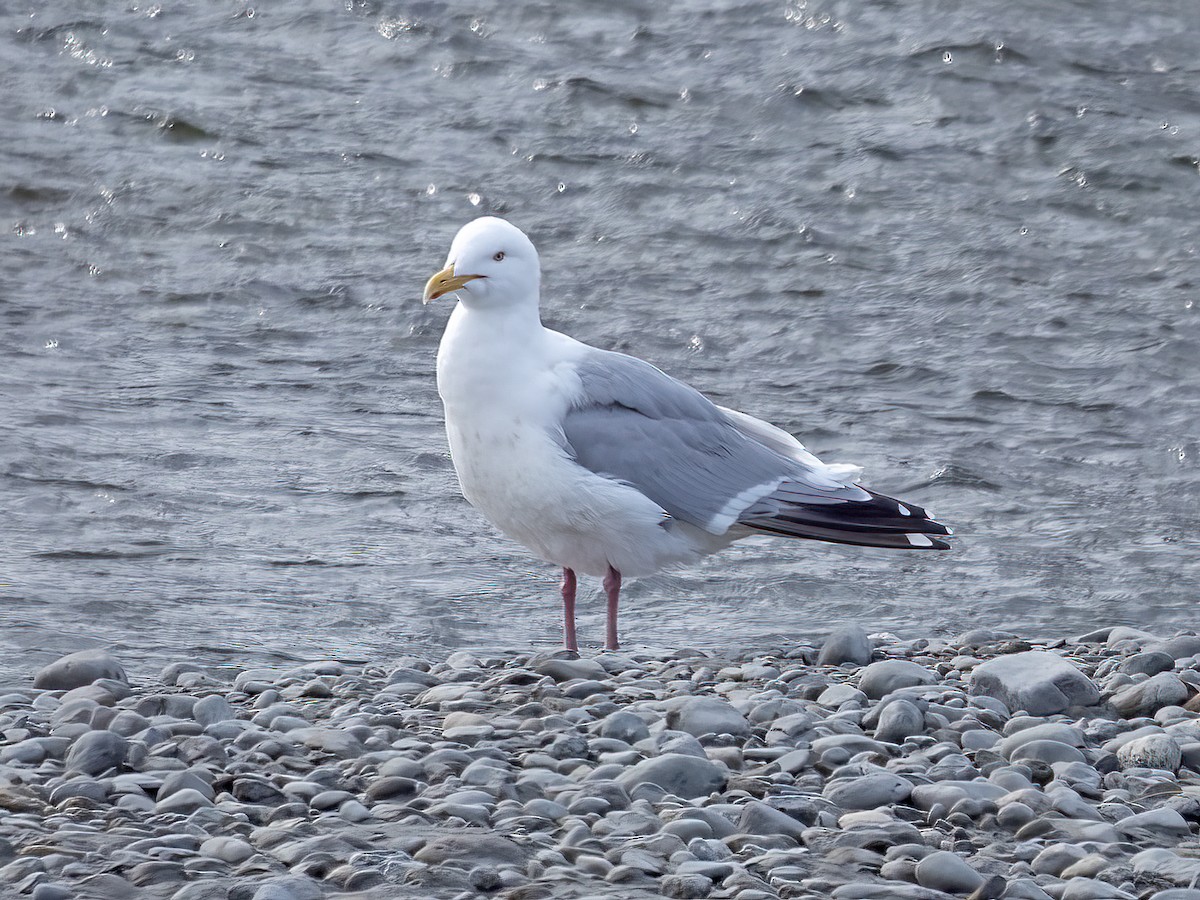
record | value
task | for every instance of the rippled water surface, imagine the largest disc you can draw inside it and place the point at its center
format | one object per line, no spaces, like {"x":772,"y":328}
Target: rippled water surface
{"x":955,"y":243}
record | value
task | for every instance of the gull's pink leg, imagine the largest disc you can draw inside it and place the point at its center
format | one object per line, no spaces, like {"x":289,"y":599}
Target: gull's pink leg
{"x":612,"y":588}
{"x":568,"y":595}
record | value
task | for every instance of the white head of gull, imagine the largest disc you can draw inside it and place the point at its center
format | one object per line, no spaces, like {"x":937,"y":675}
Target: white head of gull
{"x":603,"y":465}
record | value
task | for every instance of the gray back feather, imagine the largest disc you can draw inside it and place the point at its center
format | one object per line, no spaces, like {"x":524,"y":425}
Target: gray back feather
{"x":638,"y":425}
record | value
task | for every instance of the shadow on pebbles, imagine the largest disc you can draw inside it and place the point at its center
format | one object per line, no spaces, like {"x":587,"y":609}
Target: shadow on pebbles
{"x":868,"y":767}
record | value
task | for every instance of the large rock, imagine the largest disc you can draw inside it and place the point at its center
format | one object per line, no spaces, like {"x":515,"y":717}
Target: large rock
{"x":96,"y":752}
{"x":760,"y":818}
{"x":470,"y":849}
{"x":1047,"y":731}
{"x":212,"y":709}
{"x":624,"y":726}
{"x":1158,"y":862}
{"x":1038,"y":682}
{"x":881,"y":678}
{"x":1147,"y":697}
{"x":1165,"y":823}
{"x":868,"y":791}
{"x":946,"y":871}
{"x":948,"y":793}
{"x":1179,"y":647}
{"x":706,"y":715}
{"x":685,"y":776}
{"x":899,"y":721}
{"x":848,"y":644}
{"x":79,"y":669}
{"x":1152,"y":751}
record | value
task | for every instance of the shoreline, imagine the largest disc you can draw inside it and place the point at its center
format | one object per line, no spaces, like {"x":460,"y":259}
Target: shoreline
{"x":982,"y":766}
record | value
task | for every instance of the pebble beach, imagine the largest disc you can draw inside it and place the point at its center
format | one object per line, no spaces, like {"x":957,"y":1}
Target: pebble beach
{"x":866,"y":766}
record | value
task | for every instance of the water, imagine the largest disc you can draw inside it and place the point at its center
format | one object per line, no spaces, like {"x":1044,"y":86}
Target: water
{"x":955,"y":243}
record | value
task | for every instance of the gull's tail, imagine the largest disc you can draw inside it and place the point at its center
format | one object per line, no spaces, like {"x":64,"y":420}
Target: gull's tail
{"x":878,"y":521}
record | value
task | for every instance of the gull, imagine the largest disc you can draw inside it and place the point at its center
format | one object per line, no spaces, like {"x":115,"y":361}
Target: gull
{"x":602,"y":464}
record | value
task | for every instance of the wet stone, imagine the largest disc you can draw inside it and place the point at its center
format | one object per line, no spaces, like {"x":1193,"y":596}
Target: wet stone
{"x":624,"y":726}
{"x":1147,"y":697}
{"x":868,"y":791}
{"x":762,"y":819}
{"x":900,"y":720}
{"x":945,"y":871}
{"x":881,"y":678}
{"x":79,"y":669}
{"x":1154,"y":751}
{"x":1148,"y":662}
{"x":847,"y":644}
{"x":699,"y":716}
{"x":212,"y":709}
{"x":183,"y":801}
{"x":1039,"y":682}
{"x":97,"y":752}
{"x":685,"y":776}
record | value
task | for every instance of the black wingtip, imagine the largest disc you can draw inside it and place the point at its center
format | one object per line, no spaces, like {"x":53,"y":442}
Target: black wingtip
{"x":880,"y":521}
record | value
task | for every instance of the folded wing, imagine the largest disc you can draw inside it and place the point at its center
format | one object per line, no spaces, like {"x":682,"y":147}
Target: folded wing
{"x":716,"y":468}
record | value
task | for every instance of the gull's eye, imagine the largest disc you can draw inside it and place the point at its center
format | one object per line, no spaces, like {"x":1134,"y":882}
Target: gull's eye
{"x":499,"y":257}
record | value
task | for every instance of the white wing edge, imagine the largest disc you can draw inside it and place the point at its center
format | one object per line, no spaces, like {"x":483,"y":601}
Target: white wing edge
{"x":840,"y":474}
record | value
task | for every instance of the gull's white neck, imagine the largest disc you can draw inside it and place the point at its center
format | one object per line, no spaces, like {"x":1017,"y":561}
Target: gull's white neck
{"x":485,"y":350}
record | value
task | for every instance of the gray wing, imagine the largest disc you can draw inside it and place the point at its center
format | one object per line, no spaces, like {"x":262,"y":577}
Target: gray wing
{"x":638,"y":425}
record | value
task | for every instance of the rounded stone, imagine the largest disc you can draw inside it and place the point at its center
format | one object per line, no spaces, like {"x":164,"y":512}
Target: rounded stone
{"x":685,"y":887}
{"x":949,"y":872}
{"x":1153,"y":751}
{"x":79,"y":787}
{"x":838,"y":694}
{"x":706,"y":715}
{"x":624,"y":726}
{"x":485,"y":878}
{"x":1047,"y":751}
{"x":1044,"y":731}
{"x":689,"y":777}
{"x":1039,"y":682}
{"x":1147,"y":697}
{"x":868,"y":791}
{"x":1091,"y":889}
{"x":881,"y":678}
{"x":762,"y":819}
{"x":185,"y":779}
{"x":185,"y":800}
{"x":97,"y":752}
{"x":78,"y":669}
{"x":1014,"y":816}
{"x":1054,"y":859}
{"x":898,"y":721}
{"x":228,"y":849}
{"x":289,"y":888}
{"x":354,"y":812}
{"x":847,"y":644}
{"x":1148,"y":662}
{"x":212,"y":709}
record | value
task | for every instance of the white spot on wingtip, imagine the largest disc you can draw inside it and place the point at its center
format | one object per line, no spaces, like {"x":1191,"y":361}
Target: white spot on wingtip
{"x":904,"y":510}
{"x":919,"y":540}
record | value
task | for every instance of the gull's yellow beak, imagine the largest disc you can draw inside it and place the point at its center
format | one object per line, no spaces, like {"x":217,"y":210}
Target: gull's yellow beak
{"x":444,"y":282}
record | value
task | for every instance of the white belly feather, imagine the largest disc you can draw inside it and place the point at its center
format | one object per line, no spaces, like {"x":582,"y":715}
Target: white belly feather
{"x":502,"y":416}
